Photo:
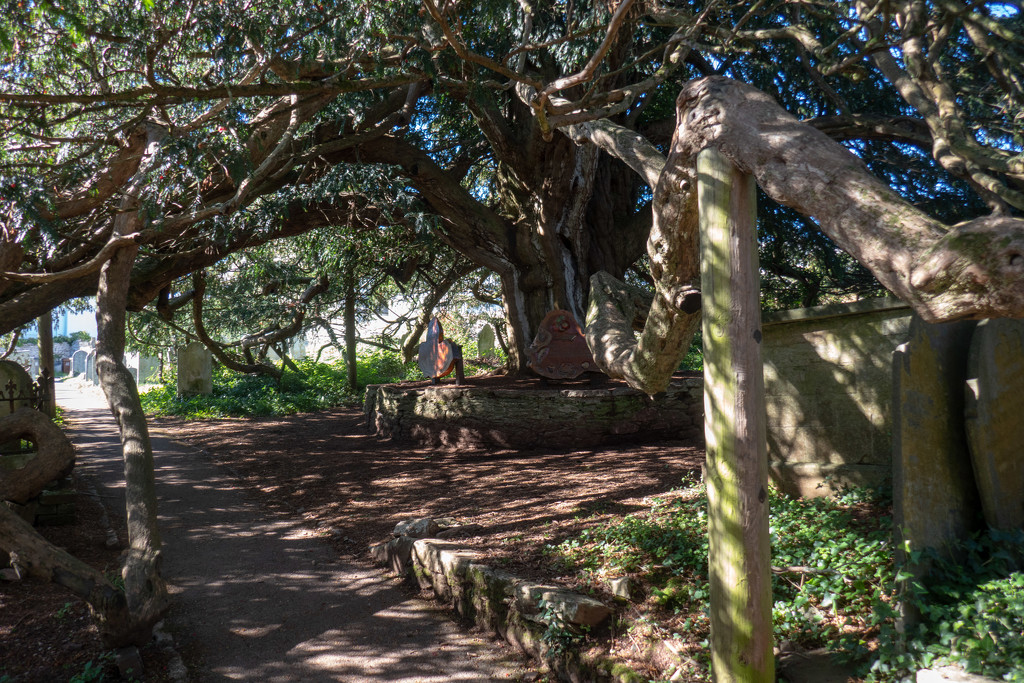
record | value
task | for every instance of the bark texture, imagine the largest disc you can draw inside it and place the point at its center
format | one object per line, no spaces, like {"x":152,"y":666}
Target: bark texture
{"x":44,"y":324}
{"x":34,"y":555}
{"x":145,"y":590}
{"x":972,"y":270}
{"x":31,"y":553}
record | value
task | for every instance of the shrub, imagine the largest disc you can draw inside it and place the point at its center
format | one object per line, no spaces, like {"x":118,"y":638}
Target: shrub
{"x":317,"y":387}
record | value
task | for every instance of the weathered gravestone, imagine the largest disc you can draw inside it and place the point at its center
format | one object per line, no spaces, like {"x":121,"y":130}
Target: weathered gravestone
{"x":90,"y":368}
{"x":560,"y":350}
{"x":995,"y":419}
{"x":485,"y":341}
{"x":149,"y":369}
{"x":78,"y":361}
{"x":438,"y":356}
{"x":195,"y":370}
{"x":935,"y":500}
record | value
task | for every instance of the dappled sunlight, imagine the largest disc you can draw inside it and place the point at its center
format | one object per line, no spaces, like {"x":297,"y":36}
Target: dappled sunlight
{"x":264,"y":597}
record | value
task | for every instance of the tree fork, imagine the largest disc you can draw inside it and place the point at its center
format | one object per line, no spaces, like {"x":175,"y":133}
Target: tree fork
{"x":734,"y":425}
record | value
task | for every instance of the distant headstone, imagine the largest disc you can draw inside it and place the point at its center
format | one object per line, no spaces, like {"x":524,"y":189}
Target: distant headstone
{"x":90,"y":368}
{"x":995,"y":428}
{"x":438,"y":356}
{"x":149,"y":369}
{"x":78,"y":361}
{"x":298,"y":348}
{"x":560,"y":350}
{"x":485,"y":341}
{"x":195,"y":370}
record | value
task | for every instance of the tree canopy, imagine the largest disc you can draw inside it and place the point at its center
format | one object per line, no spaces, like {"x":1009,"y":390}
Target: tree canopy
{"x":529,"y":136}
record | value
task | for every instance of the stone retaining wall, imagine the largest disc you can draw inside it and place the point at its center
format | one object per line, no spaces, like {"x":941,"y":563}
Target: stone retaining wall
{"x":828,"y":385}
{"x":828,"y":393}
{"x":468,"y":417}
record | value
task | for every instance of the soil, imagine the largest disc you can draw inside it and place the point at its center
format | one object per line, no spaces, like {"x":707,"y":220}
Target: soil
{"x":354,"y":488}
{"x":46,"y":633}
{"x":328,"y":469}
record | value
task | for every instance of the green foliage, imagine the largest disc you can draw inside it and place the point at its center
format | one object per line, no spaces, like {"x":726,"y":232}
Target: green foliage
{"x":834,"y":582}
{"x":381,"y":366}
{"x":833,"y":557}
{"x":94,"y":671}
{"x":320,"y":386}
{"x":972,"y":610}
{"x":64,"y":612}
{"x":81,"y":335}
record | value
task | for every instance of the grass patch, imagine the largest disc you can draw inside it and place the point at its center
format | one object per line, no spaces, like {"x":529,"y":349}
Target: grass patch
{"x":318,"y":386}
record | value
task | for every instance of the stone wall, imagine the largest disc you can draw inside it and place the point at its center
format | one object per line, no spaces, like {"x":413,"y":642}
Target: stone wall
{"x":828,"y":385}
{"x":477,"y":417}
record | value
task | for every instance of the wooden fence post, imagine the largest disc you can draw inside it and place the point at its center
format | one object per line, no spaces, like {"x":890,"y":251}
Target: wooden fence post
{"x":734,"y":425}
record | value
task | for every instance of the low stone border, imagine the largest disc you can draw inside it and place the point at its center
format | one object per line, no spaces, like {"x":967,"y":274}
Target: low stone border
{"x":519,"y":611}
{"x":478,"y":417}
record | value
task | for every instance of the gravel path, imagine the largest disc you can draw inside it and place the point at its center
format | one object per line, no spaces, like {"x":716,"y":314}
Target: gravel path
{"x":258,"y":597}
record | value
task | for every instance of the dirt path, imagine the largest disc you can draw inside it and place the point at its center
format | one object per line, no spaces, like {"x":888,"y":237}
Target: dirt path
{"x":260,"y":597}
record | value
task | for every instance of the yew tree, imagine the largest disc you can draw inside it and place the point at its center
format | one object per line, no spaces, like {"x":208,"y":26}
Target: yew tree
{"x":548,"y":142}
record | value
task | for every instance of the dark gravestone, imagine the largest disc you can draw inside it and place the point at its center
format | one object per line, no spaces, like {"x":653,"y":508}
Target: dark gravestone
{"x":438,"y":356}
{"x":935,"y":500}
{"x":995,"y":419}
{"x":560,"y":350}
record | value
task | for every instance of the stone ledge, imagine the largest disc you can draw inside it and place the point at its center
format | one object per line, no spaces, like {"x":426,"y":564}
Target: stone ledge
{"x":469,"y":417}
{"x":504,"y":604}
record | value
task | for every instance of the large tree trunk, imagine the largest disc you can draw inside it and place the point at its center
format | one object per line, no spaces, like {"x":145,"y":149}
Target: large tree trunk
{"x":145,"y":589}
{"x":350,"y":329}
{"x":578,"y":216}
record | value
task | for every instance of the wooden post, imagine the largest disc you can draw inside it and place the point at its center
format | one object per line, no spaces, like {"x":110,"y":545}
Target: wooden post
{"x":734,"y":425}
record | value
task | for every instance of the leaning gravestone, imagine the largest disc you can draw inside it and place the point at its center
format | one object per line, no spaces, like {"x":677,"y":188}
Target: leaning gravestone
{"x":485,"y":341}
{"x":195,"y":370}
{"x":14,"y":381}
{"x":995,"y":428}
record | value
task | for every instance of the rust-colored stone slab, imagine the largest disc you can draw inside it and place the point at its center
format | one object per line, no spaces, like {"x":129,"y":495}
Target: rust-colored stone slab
{"x":437,"y":357}
{"x":560,"y":350}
